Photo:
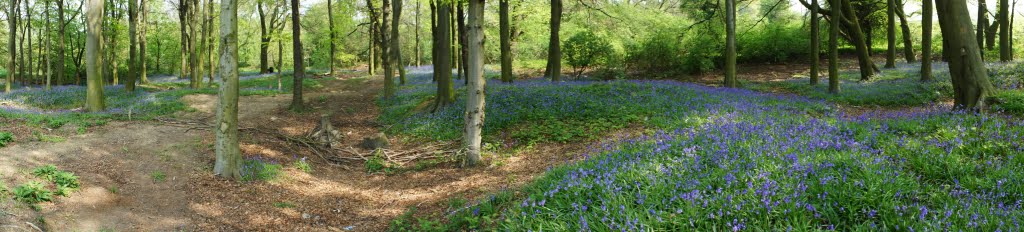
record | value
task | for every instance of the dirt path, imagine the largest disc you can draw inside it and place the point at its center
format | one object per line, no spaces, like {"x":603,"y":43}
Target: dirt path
{"x":118,"y":164}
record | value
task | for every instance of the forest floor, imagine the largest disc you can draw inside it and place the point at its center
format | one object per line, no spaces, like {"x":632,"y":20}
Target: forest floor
{"x":157,"y":175}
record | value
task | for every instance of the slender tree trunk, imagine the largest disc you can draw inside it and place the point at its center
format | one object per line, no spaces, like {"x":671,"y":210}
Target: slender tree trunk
{"x":1005,"y":47}
{"x":982,"y":24}
{"x":867,"y":66}
{"x":300,"y":69}
{"x":12,"y":22}
{"x":133,"y":43}
{"x":908,"y":44}
{"x":386,"y":47}
{"x":330,"y":30}
{"x":966,"y":68}
{"x":61,"y":30}
{"x":280,"y":64}
{"x":94,"y":59}
{"x":28,"y":33}
{"x":890,"y":33}
{"x":433,"y":38}
{"x":419,"y":51}
{"x":554,"y":68}
{"x":833,"y":47}
{"x":48,"y":70}
{"x":210,"y":40}
{"x":396,"y":47}
{"x":506,"y":42}
{"x":456,"y":62}
{"x":143,"y":12}
{"x":730,"y":44}
{"x":183,"y":19}
{"x":193,"y":47}
{"x":462,"y":43}
{"x":264,"y":36}
{"x":926,"y":40}
{"x":475,"y":96}
{"x":229,"y":156}
{"x":442,"y":65}
{"x":372,"y":47}
{"x":815,"y":42}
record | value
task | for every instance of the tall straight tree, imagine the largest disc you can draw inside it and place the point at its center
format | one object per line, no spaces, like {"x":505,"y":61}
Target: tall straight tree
{"x":416,"y":22}
{"x":372,"y":31}
{"x":475,"y":95}
{"x":890,"y":32}
{"x":133,"y":43}
{"x":229,"y":157}
{"x":442,"y":64}
{"x":966,"y":68}
{"x":48,"y":70}
{"x":93,"y":57}
{"x":143,"y":13}
{"x":730,"y":44}
{"x":815,"y":42}
{"x":61,"y":28}
{"x":28,"y":33}
{"x":12,"y":22}
{"x":506,"y":42}
{"x":385,"y":44}
{"x":833,"y":47}
{"x":300,"y":70}
{"x":554,"y":68}
{"x":926,"y":40}
{"x":396,"y":48}
{"x":908,"y":44}
{"x":461,"y":33}
{"x":330,"y":30}
{"x":1005,"y":47}
{"x":982,"y":24}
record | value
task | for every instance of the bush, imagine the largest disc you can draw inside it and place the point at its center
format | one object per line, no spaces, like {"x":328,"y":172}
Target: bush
{"x":5,"y":138}
{"x":660,"y":54}
{"x":32,"y":192}
{"x":773,"y":43}
{"x":585,"y":49}
{"x":46,"y":172}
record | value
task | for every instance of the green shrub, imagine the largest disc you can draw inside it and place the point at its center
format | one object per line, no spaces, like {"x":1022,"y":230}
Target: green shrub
{"x":158,"y":176}
{"x":774,"y":42}
{"x":66,"y":179}
{"x":47,"y":172}
{"x":5,"y":138}
{"x":660,"y":54}
{"x":584,"y":50}
{"x":32,"y":192}
{"x":378,"y":164}
{"x":302,"y":165}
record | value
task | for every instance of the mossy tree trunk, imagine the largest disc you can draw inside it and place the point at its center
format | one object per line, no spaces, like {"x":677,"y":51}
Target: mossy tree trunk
{"x":297,"y":59}
{"x":442,"y":63}
{"x":396,"y":48}
{"x":908,"y":44}
{"x":815,"y":42}
{"x":967,"y":70}
{"x":890,"y":33}
{"x":1005,"y":47}
{"x":133,"y":44}
{"x":12,"y":22}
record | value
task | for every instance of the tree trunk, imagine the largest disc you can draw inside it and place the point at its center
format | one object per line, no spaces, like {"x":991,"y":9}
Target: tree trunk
{"x":442,"y":63}
{"x":475,"y":95}
{"x":815,"y":42}
{"x":433,"y":38}
{"x":193,"y":55}
{"x":456,"y":62}
{"x":371,"y":56}
{"x":926,"y":40}
{"x":28,"y":33}
{"x":418,"y":52}
{"x":229,"y":157}
{"x":462,"y":43}
{"x":386,"y":56}
{"x":210,"y":40}
{"x":981,"y":25}
{"x":94,"y":59}
{"x":61,"y":30}
{"x":48,"y":63}
{"x":890,"y":33}
{"x":730,"y":44}
{"x":908,"y":44}
{"x":396,"y":47}
{"x":133,"y":43}
{"x":506,"y":42}
{"x":300,"y":70}
{"x":264,"y":37}
{"x":966,"y":68}
{"x":143,"y":12}
{"x":867,"y":67}
{"x":1005,"y":47}
{"x":12,"y":22}
{"x":833,"y":47}
{"x":554,"y":68}
{"x":330,"y":30}
{"x":183,"y":6}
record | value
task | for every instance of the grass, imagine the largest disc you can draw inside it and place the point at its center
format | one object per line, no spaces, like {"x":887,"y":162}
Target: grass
{"x":733,"y":159}
{"x":5,"y":138}
{"x":158,"y":176}
{"x":260,"y":169}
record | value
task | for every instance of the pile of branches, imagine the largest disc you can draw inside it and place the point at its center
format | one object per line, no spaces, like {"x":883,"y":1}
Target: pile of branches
{"x":402,"y":157}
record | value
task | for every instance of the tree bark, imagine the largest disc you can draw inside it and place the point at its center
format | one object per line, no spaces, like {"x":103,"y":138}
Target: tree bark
{"x":554,"y":68}
{"x":981,"y":25}
{"x":396,"y":47}
{"x":815,"y":42}
{"x":372,"y":47}
{"x":463,"y":50}
{"x":419,"y":51}
{"x":300,"y":69}
{"x":94,"y":59}
{"x":264,"y":37}
{"x":61,"y":30}
{"x":442,"y":63}
{"x":1005,"y":47}
{"x":195,"y":78}
{"x":330,"y":30}
{"x":28,"y":33}
{"x":133,"y":43}
{"x":12,"y":22}
{"x":475,"y":94}
{"x":183,"y":19}
{"x":890,"y":33}
{"x":143,"y":12}
{"x":386,"y":47}
{"x":908,"y":44}
{"x":926,"y":40}
{"x":229,"y":157}
{"x":833,"y":48}
{"x":966,"y":68}
{"x":730,"y":44}
{"x":47,"y":62}
{"x":506,"y":42}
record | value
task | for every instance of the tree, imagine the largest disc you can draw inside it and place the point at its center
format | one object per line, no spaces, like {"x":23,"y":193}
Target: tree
{"x":506,"y":42}
{"x":966,"y":68}
{"x":143,"y":12}
{"x":890,"y":32}
{"x":12,"y":22}
{"x":833,"y":48}
{"x":396,"y":48}
{"x":908,"y":44}
{"x":730,"y":44}
{"x":475,"y":94}
{"x":982,"y":24}
{"x":229,"y":157}
{"x":1005,"y":47}
{"x":386,"y":47}
{"x":330,"y":29}
{"x":133,"y":43}
{"x":554,"y":67}
{"x":274,"y":20}
{"x":815,"y":42}
{"x":851,"y":26}
{"x":93,"y":61}
{"x":443,"y":49}
{"x":300,"y":70}
{"x":417,"y":32}
{"x":926,"y":40}
{"x":61,"y":30}
{"x":48,"y":70}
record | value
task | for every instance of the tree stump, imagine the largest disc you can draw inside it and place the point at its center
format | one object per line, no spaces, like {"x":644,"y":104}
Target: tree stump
{"x":325,"y":134}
